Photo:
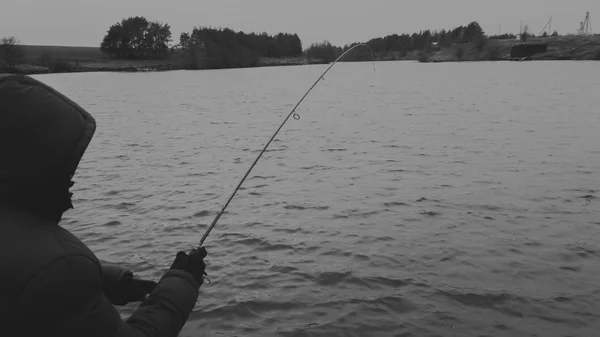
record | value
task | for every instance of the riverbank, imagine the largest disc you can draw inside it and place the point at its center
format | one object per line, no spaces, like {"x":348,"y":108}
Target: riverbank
{"x":76,"y":67}
{"x":58,"y":59}
{"x":66,"y":59}
{"x":558,"y":48}
{"x":137,"y":66}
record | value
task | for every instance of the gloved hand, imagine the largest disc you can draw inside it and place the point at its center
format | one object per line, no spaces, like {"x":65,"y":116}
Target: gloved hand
{"x":121,"y":288}
{"x":192,"y":263}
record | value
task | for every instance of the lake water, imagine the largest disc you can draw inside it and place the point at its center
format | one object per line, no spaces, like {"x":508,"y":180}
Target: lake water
{"x":455,"y":199}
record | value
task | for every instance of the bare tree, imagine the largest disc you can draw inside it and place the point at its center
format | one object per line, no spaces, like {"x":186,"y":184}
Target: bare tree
{"x":11,"y":52}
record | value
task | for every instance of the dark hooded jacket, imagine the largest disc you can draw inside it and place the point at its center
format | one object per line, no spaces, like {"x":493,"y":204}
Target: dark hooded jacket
{"x":51,"y":284}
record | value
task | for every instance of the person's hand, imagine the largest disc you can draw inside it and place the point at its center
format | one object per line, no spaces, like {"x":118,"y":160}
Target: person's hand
{"x":192,"y":263}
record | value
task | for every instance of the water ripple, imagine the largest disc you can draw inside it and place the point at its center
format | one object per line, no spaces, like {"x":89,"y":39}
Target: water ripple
{"x":401,"y":204}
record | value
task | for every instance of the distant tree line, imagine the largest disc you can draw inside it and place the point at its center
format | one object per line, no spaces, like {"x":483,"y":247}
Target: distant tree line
{"x":425,"y":39}
{"x":325,"y":51}
{"x":506,"y":36}
{"x":422,"y":42}
{"x":137,"y":38}
{"x":206,"y":47}
{"x":403,"y":44}
{"x":11,"y":53}
{"x":545,"y":34}
{"x":203,"y":47}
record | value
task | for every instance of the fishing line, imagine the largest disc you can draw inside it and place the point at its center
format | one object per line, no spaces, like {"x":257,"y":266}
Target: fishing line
{"x":296,"y":117}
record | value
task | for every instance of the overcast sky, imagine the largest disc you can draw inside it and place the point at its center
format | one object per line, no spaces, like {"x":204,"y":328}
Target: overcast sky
{"x":85,"y":22}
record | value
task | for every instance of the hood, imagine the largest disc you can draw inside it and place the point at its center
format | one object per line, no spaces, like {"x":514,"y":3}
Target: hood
{"x":43,"y":136}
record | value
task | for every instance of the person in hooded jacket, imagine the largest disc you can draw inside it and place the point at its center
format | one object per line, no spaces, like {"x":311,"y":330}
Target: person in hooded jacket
{"x":51,"y":284}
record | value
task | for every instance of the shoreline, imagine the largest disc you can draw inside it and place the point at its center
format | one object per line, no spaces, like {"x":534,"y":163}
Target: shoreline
{"x":90,"y":59}
{"x":26,"y":69}
{"x":34,"y":70}
{"x":558,"y":48}
{"x":132,"y":66}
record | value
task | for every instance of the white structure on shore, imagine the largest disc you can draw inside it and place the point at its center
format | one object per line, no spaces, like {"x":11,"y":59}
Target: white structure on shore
{"x":585,"y":27}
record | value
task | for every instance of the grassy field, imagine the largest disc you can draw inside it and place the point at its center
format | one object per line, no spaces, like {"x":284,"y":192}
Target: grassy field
{"x":571,"y":48}
{"x":81,"y":54}
{"x":67,"y":58}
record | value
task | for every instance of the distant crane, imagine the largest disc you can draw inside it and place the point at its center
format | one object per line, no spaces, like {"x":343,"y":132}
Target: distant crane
{"x":585,"y":27}
{"x":549,"y":25}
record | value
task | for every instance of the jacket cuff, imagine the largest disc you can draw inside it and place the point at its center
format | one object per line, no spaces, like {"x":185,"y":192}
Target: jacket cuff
{"x":177,"y":291}
{"x":182,"y":275}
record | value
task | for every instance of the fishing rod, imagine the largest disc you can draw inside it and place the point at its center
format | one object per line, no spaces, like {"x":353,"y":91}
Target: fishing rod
{"x":296,"y":117}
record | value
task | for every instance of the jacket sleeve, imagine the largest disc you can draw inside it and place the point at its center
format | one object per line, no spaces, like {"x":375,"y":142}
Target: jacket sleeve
{"x":113,"y":278}
{"x":66,"y":299}
{"x":113,"y":273}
